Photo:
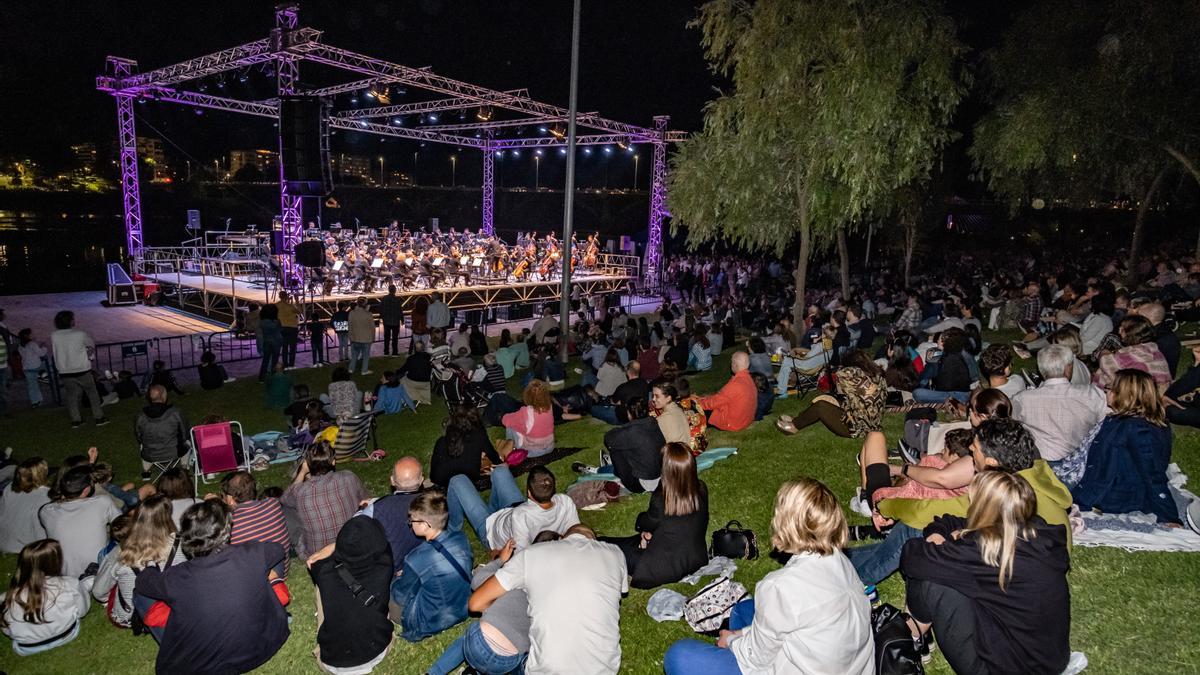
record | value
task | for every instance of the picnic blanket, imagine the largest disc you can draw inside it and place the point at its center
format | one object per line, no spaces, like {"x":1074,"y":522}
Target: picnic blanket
{"x":703,"y":461}
{"x":485,"y":482}
{"x":1140,"y":531}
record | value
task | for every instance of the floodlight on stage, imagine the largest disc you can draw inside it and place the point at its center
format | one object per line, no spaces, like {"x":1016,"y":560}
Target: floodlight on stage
{"x":516,"y":153}
{"x":538,"y":153}
{"x":587,"y":151}
{"x":607,"y":150}
{"x":558,"y":132}
{"x":432,"y":117}
{"x":541,"y":129}
{"x":484,"y":114}
{"x":562,"y":151}
{"x":623,"y":143}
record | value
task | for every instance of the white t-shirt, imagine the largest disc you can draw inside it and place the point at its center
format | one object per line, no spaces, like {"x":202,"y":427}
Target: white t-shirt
{"x":81,"y":528}
{"x":19,"y":523}
{"x":574,"y":587}
{"x":70,"y":347}
{"x":523,"y":522}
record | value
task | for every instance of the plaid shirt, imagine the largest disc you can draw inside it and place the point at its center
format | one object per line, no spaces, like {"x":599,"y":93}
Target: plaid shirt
{"x":323,"y":504}
{"x":1032,"y":310}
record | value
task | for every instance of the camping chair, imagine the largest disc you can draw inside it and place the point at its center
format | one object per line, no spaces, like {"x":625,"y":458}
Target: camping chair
{"x":354,"y":436}
{"x":164,"y":466}
{"x":810,"y":380}
{"x":215,"y":450}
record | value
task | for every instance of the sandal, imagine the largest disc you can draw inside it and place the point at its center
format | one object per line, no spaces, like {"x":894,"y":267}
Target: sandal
{"x":786,"y":418}
{"x":786,"y":427}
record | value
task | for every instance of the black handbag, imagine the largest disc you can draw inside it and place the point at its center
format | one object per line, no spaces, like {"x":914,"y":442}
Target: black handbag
{"x":895,"y":651}
{"x":734,"y":542}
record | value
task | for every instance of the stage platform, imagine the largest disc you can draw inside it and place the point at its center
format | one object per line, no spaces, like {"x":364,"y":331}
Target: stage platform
{"x":219,"y":298}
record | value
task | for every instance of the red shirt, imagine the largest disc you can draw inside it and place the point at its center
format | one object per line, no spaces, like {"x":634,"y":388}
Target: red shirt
{"x":733,"y":407}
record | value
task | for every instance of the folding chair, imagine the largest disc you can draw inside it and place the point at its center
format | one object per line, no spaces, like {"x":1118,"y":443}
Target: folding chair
{"x":165,"y":466}
{"x":354,"y":436}
{"x":215,"y":452}
{"x":807,"y":381}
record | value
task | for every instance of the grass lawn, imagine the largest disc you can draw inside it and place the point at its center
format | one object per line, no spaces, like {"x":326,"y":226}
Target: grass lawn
{"x":1129,"y":609}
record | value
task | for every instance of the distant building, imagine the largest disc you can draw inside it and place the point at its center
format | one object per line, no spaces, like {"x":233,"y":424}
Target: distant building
{"x":398,"y":179}
{"x":266,"y":161}
{"x":85,"y":157}
{"x":150,"y":150}
{"x":354,"y":169}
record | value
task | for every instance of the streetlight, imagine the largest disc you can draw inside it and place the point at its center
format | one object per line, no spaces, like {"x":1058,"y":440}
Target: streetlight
{"x":381,"y":170}
{"x":537,"y":170}
{"x":453,"y":170}
{"x":635,"y":170}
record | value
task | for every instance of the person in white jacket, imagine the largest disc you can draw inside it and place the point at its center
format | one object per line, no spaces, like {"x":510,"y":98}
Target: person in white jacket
{"x":809,"y":617}
{"x":73,"y":351}
{"x":43,"y":609}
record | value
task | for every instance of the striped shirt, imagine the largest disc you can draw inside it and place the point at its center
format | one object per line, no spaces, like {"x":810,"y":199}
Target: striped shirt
{"x":260,"y":520}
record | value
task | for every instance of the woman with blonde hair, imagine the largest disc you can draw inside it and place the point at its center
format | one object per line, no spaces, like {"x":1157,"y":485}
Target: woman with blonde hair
{"x":671,"y":531}
{"x":1124,"y":468}
{"x":531,"y":427}
{"x":993,"y":585}
{"x":19,"y":505}
{"x":809,"y":617}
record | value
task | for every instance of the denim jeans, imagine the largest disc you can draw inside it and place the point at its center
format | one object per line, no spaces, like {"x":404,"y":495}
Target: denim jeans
{"x":702,"y":658}
{"x":343,"y":346}
{"x":32,"y":385}
{"x":925,"y":395}
{"x":360,"y":351}
{"x":270,"y":356}
{"x":607,"y":413}
{"x":464,"y":501}
{"x":807,"y":365}
{"x":474,"y":649}
{"x":876,"y":562}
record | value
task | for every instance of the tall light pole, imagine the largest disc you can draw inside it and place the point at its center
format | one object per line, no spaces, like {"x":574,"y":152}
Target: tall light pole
{"x":414,"y":176}
{"x":635,"y":169}
{"x":537,"y":170}
{"x":564,"y":305}
{"x":453,"y":169}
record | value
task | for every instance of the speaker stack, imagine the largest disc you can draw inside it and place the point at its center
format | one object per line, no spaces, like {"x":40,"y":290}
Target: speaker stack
{"x":304,"y":148}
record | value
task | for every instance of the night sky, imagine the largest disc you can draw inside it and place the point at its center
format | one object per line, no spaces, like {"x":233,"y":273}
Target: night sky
{"x":638,"y":59}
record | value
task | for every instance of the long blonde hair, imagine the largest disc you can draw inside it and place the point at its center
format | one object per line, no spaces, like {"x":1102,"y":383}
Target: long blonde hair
{"x":808,"y":519}
{"x":151,"y":534}
{"x":1002,"y":504}
{"x":1134,"y":394}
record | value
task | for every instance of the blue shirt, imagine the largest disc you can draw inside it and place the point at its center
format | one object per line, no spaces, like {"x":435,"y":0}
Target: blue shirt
{"x":431,"y":592}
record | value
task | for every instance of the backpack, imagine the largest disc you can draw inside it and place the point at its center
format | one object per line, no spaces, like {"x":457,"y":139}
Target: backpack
{"x":895,"y":651}
{"x":916,"y":434}
{"x":707,"y":610}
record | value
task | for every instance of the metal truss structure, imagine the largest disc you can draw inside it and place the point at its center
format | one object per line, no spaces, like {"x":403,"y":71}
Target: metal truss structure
{"x":290,"y":44}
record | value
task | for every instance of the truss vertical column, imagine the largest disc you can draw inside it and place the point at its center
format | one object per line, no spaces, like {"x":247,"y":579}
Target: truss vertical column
{"x":489,"y":185}
{"x":658,"y":205}
{"x":291,"y":207}
{"x":128,"y":160}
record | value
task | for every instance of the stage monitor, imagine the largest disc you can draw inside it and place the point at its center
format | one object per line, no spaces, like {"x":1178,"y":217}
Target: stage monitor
{"x":193,"y":220}
{"x":305,"y":157}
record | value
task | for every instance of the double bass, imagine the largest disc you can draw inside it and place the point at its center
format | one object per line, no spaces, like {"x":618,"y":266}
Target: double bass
{"x":593,"y":247}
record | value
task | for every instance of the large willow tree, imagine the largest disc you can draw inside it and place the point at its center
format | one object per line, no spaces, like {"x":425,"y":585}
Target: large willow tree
{"x":835,"y":105}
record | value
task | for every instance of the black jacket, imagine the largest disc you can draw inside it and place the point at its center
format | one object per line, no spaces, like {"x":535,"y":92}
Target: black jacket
{"x":677,"y":548}
{"x":162,"y":432}
{"x":636,"y":450}
{"x":443,"y":467}
{"x":1023,"y":629}
{"x":352,"y":632}
{"x":418,"y":367}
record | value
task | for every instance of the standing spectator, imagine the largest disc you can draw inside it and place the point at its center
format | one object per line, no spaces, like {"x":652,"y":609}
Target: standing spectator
{"x":254,"y":519}
{"x":391,"y":315}
{"x":340,"y":320}
{"x":44,"y":604}
{"x":733,"y":407}
{"x":320,"y":500}
{"x":73,"y":350}
{"x":574,"y":587}
{"x":270,"y":340}
{"x":20,"y":503}
{"x":420,"y":323}
{"x":6,"y":347}
{"x":78,"y":520}
{"x":362,"y":334}
{"x":316,"y":337}
{"x":161,"y":431}
{"x":289,"y":327}
{"x":33,"y":362}
{"x":353,"y":631}
{"x":810,"y":616}
{"x":438,"y":314}
{"x":430,"y":594}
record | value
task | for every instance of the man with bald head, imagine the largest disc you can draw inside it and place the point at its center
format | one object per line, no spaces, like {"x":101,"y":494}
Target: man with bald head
{"x":732,"y":408}
{"x":161,"y":430}
{"x":392,"y":511}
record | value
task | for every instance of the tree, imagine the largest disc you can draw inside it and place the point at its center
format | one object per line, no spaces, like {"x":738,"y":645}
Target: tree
{"x":834,"y":105}
{"x":1093,"y":97}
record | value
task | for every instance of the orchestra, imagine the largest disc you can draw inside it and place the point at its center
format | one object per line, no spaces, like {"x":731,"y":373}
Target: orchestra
{"x":364,"y":260}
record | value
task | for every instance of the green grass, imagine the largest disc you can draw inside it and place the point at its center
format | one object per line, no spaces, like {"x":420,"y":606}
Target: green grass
{"x":1130,"y":610}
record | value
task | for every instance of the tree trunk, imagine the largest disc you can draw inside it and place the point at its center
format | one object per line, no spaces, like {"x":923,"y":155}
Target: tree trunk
{"x":798,"y":307}
{"x":910,"y":243}
{"x":1191,"y":168}
{"x":1135,"y":247}
{"x":844,"y":260}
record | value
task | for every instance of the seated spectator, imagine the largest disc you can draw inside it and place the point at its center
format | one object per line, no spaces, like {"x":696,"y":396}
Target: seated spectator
{"x":647,"y":358}
{"x":700,"y":352}
{"x":212,"y":374}
{"x":254,"y":519}
{"x":947,"y":374}
{"x":225,"y":616}
{"x":732,"y":408}
{"x":161,"y":431}
{"x":993,"y":585}
{"x":164,"y":378}
{"x":431,"y":592}
{"x":1068,"y":336}
{"x":766,"y":396}
{"x":760,"y":360}
{"x":297,"y":409}
{"x":1058,"y":414}
{"x":610,"y":375}
{"x":574,"y":588}
{"x":478,"y":341}
{"x":20,"y":503}
{"x":1124,"y":468}
{"x":320,"y":500}
{"x":462,"y":360}
{"x":416,"y":372}
{"x":670,"y":543}
{"x":676,"y":353}
{"x":113,"y":584}
{"x":353,"y":630}
{"x":461,"y":340}
{"x":1182,"y":404}
{"x":1164,"y":337}
{"x":125,"y":387}
{"x":44,"y":604}
{"x":811,"y":616}
{"x":462,"y":448}
{"x":901,"y":373}
{"x":531,"y":428}
{"x":857,"y":410}
{"x":1140,"y":352}
{"x":176,"y":485}
{"x":673,"y":422}
{"x":490,"y":375}
{"x":995,"y":367}
{"x":634,"y":450}
{"x":615,"y":412}
{"x":344,"y":398}
{"x":806,"y":362}
{"x":278,"y":392}
{"x":933,"y":477}
{"x":510,"y":515}
{"x":78,"y":519}
{"x":390,"y":395}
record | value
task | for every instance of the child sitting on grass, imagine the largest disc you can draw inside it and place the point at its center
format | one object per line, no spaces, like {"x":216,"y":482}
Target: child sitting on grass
{"x":42,"y":608}
{"x":958,"y":444}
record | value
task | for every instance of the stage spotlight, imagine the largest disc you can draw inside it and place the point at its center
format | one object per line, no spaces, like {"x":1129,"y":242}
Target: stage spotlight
{"x":432,"y":117}
{"x":244,"y":76}
{"x":203,"y":87}
{"x":562,"y":151}
{"x":499,"y":153}
{"x":478,"y":135}
{"x":538,"y":152}
{"x":587,"y":151}
{"x":221,"y":82}
{"x":558,"y":132}
{"x":462,"y":115}
{"x":607,"y":150}
{"x":422,"y":119}
{"x":516,"y":153}
{"x":398,"y":121}
{"x":382,"y":94}
{"x":353,"y":100}
{"x":521,"y":131}
{"x":199,"y":111}
{"x":623,"y":144}
{"x":542,"y":129}
{"x":484,"y":114}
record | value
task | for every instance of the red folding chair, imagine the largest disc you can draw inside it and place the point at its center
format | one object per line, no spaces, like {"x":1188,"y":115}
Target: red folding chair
{"x":215,"y":450}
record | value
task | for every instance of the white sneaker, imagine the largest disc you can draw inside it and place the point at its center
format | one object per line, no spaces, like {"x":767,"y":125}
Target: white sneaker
{"x":110,"y":399}
{"x":859,"y":505}
{"x":1192,"y":515}
{"x":367,"y":372}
